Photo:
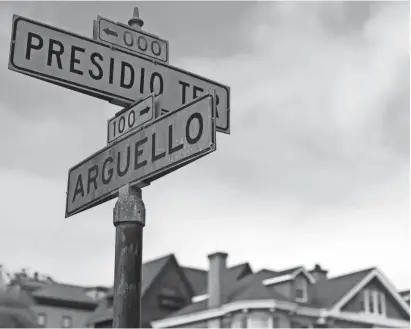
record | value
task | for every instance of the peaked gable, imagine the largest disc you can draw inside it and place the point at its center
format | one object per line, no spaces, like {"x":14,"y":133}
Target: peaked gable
{"x":197,"y":278}
{"x":378,"y":281}
{"x":172,"y":262}
{"x":241,"y":270}
{"x":151,"y":269}
{"x":391,"y":307}
{"x":288,"y":275}
{"x":251,"y":292}
{"x":326,"y":293}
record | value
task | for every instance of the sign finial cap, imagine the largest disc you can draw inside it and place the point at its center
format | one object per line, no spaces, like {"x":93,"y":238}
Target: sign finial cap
{"x":136,"y":21}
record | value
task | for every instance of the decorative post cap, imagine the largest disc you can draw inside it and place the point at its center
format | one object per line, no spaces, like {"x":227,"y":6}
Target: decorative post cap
{"x":136,"y":22}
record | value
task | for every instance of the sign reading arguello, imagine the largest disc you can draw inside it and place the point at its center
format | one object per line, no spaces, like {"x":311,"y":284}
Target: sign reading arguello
{"x":171,"y":141}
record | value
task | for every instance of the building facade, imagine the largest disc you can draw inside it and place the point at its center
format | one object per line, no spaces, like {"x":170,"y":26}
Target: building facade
{"x":58,"y":305}
{"x":293,"y":298}
{"x":166,"y":288}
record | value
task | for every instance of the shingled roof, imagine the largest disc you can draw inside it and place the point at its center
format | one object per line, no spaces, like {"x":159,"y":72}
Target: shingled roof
{"x":329,"y":292}
{"x":149,"y":272}
{"x":197,"y":278}
{"x":45,"y":292}
{"x":64,"y":292}
{"x":326,"y":292}
{"x":250,"y":287}
{"x":234,"y":273}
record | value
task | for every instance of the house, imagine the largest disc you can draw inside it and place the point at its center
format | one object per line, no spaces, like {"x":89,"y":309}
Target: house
{"x":166,"y":288}
{"x":406,"y":296}
{"x":57,"y":304}
{"x":293,"y":298}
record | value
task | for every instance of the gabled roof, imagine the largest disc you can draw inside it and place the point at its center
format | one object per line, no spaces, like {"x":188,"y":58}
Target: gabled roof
{"x":328,"y":292}
{"x":287,"y":271}
{"x":327,"y":295}
{"x":149,"y":271}
{"x":64,"y":292}
{"x":256,"y":290}
{"x":249,"y":287}
{"x":252,"y":288}
{"x":240,"y":270}
{"x":289,"y":274}
{"x":197,"y":278}
{"x":378,"y":275}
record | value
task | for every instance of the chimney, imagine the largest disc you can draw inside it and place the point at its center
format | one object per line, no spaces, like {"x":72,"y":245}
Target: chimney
{"x":218,"y":267}
{"x":319,"y":273}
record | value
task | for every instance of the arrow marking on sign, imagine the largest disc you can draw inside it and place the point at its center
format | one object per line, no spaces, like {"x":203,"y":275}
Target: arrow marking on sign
{"x":145,"y":110}
{"x":110,"y":32}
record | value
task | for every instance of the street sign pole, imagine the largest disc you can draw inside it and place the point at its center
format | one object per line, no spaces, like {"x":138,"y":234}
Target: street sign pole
{"x":129,"y":219}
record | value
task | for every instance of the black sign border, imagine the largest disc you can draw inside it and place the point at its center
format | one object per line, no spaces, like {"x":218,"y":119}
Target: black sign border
{"x":90,"y":90}
{"x":100,"y":18}
{"x":121,"y":112}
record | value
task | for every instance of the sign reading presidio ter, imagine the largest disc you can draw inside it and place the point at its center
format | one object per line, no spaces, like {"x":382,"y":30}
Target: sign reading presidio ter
{"x":91,"y":67}
{"x":170,"y":141}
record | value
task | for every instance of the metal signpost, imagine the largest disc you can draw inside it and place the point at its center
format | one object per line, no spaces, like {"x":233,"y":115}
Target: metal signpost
{"x":170,"y":119}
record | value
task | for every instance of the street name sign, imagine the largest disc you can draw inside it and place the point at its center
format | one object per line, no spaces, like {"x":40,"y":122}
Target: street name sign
{"x":132,"y":117}
{"x":137,"y":41}
{"x":169,"y":142}
{"x":91,"y":67}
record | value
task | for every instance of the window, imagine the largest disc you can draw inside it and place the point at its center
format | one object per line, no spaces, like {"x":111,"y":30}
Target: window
{"x":381,"y":303}
{"x":276,"y":322}
{"x":66,"y":322}
{"x":41,"y":319}
{"x":258,"y":321}
{"x":171,"y":303}
{"x":237,"y":322}
{"x":365,"y":300}
{"x":373,"y":302}
{"x":301,"y":290}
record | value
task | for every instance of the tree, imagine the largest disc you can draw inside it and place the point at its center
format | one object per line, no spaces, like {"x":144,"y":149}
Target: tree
{"x":15,"y":310}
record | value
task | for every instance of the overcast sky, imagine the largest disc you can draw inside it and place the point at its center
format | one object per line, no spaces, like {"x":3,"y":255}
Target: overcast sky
{"x":316,"y":169}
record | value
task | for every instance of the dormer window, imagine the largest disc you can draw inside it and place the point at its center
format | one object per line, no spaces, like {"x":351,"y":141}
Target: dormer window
{"x":169,"y":299}
{"x":373,"y":302}
{"x":300,"y":290}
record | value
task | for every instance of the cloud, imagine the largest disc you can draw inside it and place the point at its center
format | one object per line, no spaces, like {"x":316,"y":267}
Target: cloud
{"x":308,"y":105}
{"x":318,"y":155}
